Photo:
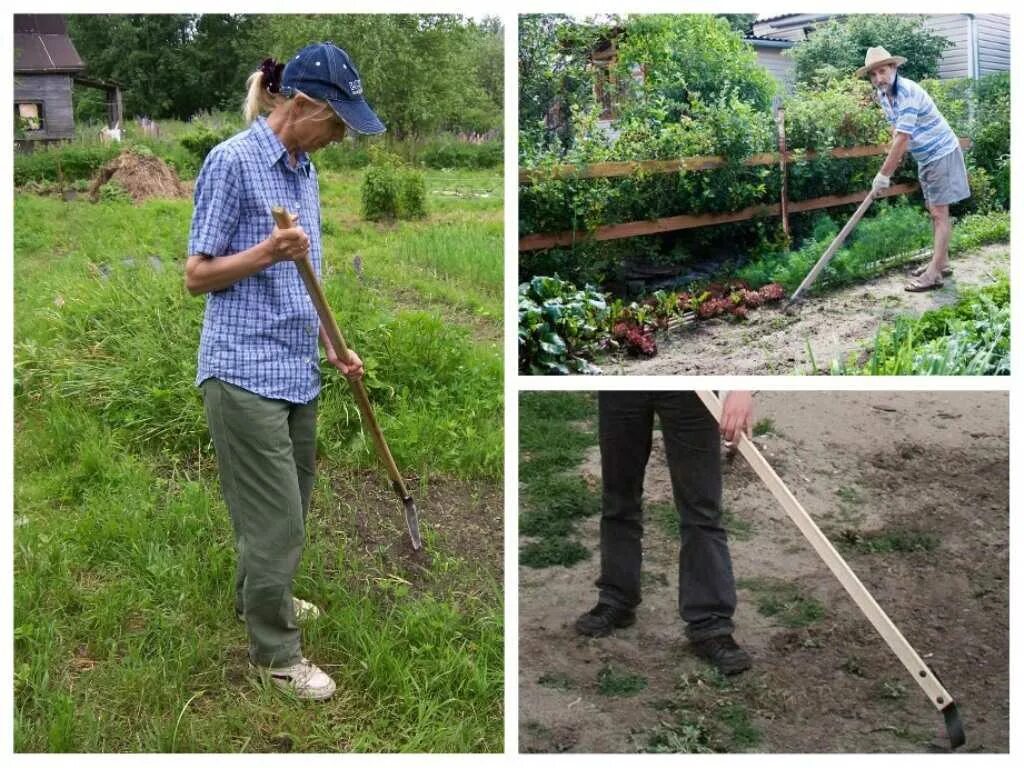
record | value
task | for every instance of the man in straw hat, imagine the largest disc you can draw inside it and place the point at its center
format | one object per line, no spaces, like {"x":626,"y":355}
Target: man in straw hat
{"x":919,"y":126}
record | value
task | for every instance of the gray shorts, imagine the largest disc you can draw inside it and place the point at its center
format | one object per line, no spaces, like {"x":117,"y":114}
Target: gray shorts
{"x":944,"y":181}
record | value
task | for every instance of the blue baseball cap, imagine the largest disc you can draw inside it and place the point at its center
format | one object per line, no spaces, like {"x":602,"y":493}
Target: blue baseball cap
{"x":324,"y":71}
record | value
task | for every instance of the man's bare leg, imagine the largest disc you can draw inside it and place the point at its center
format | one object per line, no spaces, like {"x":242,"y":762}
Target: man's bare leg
{"x":941,"y":228}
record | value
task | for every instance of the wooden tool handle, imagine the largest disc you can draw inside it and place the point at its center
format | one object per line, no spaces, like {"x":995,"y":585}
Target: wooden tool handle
{"x":853,"y":586}
{"x":283,"y":219}
{"x":826,"y":257}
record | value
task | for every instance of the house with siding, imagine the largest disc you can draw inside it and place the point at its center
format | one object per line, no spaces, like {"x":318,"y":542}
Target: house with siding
{"x":981,"y":42}
{"x":46,"y":69}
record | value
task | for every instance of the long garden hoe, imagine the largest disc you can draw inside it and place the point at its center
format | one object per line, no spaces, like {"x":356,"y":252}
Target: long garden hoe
{"x":283,"y":219}
{"x":834,"y":246}
{"x":929,"y":683}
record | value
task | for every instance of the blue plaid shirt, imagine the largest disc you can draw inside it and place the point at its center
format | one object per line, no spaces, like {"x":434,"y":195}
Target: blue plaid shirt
{"x":261,"y":333}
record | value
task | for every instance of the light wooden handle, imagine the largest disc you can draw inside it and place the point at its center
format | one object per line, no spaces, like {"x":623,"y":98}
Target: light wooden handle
{"x":283,"y":219}
{"x":853,"y":586}
{"x":826,"y":257}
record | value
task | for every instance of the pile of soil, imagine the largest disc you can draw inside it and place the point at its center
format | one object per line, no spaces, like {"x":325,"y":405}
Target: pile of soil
{"x":141,"y":176}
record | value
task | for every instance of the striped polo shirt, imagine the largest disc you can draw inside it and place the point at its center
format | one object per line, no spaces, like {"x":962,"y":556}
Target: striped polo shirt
{"x":261,"y":333}
{"x":914,"y":112}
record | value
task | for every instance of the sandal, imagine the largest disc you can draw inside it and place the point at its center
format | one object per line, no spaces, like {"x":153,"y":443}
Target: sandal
{"x":946,"y":271}
{"x":916,"y":286}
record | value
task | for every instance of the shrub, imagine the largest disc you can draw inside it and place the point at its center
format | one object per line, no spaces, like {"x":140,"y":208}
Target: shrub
{"x":201,"y":139}
{"x":837,"y":47}
{"x":391,"y":189}
{"x":66,"y":162}
{"x":450,"y":152}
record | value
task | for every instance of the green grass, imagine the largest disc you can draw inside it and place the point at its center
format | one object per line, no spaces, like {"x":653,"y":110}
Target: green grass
{"x":888,"y":541}
{"x":706,"y":714}
{"x":784,"y":602}
{"x":556,"y":680}
{"x":554,"y":551}
{"x":849,"y":495}
{"x":123,"y":557}
{"x":555,"y":431}
{"x":615,"y":681}
{"x":764,"y":426}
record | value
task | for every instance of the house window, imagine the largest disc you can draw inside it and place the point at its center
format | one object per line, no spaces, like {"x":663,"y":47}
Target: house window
{"x":28,"y":116}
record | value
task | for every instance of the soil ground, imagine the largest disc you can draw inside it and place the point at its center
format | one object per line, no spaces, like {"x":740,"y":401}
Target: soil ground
{"x":929,"y":470}
{"x":832,"y":326}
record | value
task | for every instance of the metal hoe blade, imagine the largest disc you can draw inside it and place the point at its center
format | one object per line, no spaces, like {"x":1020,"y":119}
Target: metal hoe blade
{"x":412,"y":517}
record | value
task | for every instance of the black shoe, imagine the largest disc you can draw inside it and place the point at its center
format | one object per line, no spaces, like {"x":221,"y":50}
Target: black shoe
{"x":600,"y":620}
{"x":723,"y":654}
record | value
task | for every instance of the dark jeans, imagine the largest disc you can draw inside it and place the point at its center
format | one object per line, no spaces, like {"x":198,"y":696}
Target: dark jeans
{"x":707,"y":590}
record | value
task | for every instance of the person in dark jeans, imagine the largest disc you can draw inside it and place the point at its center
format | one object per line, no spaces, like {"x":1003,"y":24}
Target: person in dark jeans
{"x":707,"y":589}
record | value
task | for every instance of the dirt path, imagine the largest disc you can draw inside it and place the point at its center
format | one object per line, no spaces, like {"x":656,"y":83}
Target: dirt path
{"x":832,"y":325}
{"x":930,"y":470}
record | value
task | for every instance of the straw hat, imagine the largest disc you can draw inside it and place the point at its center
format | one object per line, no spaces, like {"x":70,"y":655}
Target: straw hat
{"x":876,"y":57}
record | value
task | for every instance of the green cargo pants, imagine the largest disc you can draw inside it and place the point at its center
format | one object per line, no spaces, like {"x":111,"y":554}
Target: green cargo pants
{"x":266,"y":454}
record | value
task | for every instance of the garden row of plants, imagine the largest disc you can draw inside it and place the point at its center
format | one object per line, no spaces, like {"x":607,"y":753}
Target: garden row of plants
{"x":563,"y":329}
{"x":185,"y":149}
{"x":968,"y":338}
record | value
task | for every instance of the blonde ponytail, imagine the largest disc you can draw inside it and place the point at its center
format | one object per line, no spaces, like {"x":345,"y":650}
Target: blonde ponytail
{"x":258,"y":99}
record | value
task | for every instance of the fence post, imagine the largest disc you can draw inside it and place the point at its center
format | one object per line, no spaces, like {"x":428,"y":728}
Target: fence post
{"x":780,"y":119}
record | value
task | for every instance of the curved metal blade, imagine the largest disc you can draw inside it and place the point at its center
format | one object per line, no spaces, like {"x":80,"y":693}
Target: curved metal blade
{"x":954,"y":726}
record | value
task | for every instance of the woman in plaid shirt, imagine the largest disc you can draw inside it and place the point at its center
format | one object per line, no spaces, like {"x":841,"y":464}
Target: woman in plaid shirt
{"x":258,"y":357}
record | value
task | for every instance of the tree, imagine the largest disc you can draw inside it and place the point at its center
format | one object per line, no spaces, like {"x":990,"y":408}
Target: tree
{"x":739,"y":22}
{"x":421,"y":73}
{"x":168,"y":65}
{"x":837,"y":47}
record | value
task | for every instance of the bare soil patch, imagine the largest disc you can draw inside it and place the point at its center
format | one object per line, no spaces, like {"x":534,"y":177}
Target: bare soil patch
{"x":825,"y":328}
{"x":930,"y":468}
{"x":457,"y":518}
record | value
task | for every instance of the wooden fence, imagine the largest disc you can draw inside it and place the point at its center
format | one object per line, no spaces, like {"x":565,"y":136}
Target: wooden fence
{"x":692,"y":221}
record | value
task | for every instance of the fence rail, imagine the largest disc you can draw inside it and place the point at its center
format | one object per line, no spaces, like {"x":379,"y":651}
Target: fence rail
{"x":692,"y":221}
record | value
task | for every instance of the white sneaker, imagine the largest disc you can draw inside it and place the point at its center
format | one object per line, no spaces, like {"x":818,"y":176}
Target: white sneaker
{"x":305,"y":679}
{"x":304,"y":611}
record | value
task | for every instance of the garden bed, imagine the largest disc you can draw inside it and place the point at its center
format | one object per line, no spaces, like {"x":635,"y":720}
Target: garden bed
{"x":825,"y":328}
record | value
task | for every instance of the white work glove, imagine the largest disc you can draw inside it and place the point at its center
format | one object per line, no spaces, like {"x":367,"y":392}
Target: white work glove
{"x":880,"y":182}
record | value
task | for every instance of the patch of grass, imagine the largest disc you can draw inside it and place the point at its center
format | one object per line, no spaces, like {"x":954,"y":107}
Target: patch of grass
{"x":615,"y":681}
{"x":704,"y":716}
{"x":784,"y":602}
{"x":764,"y":426}
{"x":893,"y":690}
{"x":853,"y":666}
{"x":692,"y":737}
{"x":556,"y":680}
{"x":849,"y":495}
{"x":888,"y":541}
{"x":555,"y":430}
{"x":743,"y":734}
{"x":549,"y":552}
{"x":739,"y":528}
{"x":664,"y":515}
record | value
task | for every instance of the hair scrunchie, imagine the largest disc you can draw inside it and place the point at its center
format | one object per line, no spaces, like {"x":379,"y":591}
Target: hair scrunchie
{"x":271,"y":75}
